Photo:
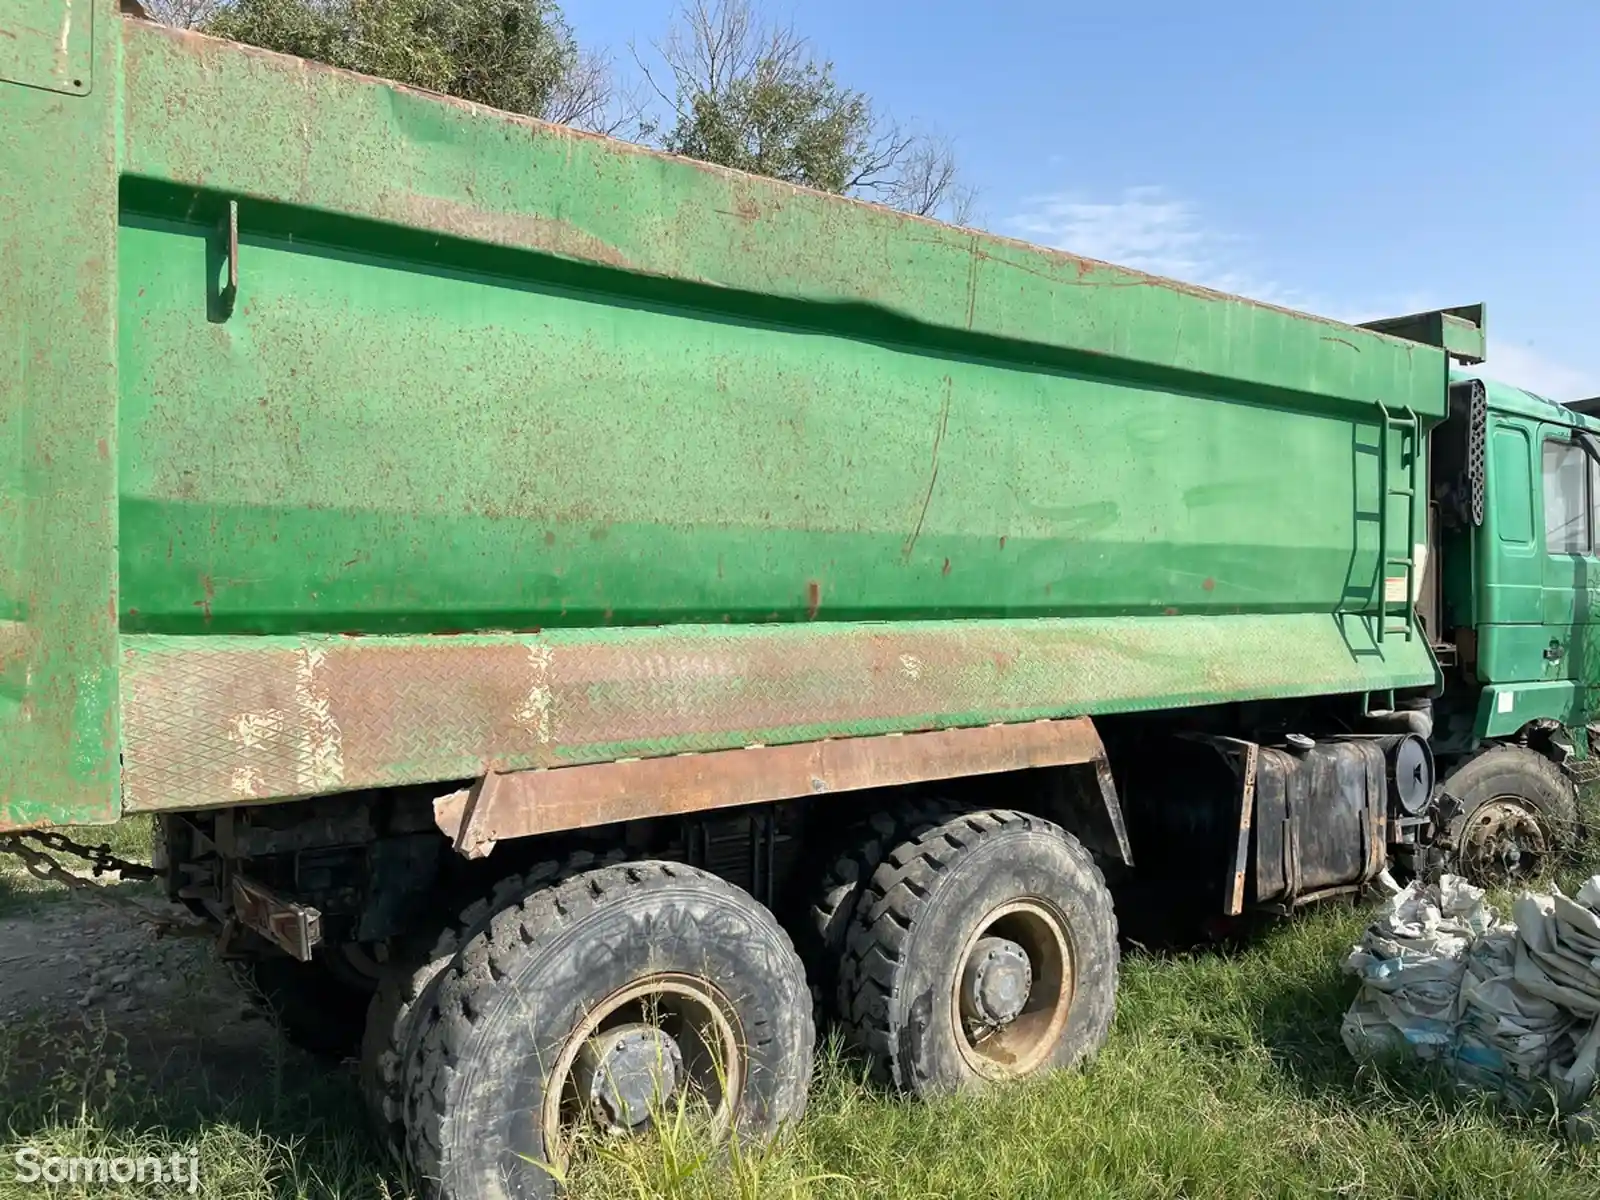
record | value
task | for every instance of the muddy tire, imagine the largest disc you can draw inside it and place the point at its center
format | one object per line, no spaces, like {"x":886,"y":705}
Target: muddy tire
{"x":315,"y":1006}
{"x":832,"y":905}
{"x":984,"y":949}
{"x":491,"y":1085}
{"x":1509,"y":813}
{"x":403,"y":1002}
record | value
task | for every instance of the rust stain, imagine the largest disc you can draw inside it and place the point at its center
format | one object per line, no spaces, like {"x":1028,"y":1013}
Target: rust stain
{"x":418,"y":710}
{"x":526,"y":803}
{"x":209,"y":588}
{"x":946,"y":569}
{"x":933,"y":473}
{"x":1209,"y":584}
{"x":813,"y":599}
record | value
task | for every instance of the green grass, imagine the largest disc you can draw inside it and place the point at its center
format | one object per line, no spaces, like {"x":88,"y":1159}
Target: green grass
{"x":1224,"y":1077}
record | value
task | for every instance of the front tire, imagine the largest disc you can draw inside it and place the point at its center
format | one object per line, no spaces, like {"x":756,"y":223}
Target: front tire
{"x":649,"y":962}
{"x":1509,"y":814}
{"x":984,"y":949}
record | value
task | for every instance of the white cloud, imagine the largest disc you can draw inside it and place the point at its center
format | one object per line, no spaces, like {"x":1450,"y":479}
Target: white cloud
{"x":1149,"y":230}
{"x":1524,"y":367}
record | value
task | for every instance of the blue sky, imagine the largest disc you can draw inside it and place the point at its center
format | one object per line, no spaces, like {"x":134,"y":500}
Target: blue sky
{"x":1357,"y":159}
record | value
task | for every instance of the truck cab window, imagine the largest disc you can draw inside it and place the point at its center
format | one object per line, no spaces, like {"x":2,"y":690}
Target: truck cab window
{"x":1566,"y":499}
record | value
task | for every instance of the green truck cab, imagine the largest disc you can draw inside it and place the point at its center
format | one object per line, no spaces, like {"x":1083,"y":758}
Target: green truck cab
{"x":520,"y":572}
{"x":1518,"y":588}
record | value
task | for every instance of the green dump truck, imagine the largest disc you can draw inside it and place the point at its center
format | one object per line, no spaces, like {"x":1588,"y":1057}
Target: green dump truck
{"x":578,"y":616}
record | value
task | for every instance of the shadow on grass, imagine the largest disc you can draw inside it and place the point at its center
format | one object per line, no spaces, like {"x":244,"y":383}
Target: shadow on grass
{"x":273,"y":1122}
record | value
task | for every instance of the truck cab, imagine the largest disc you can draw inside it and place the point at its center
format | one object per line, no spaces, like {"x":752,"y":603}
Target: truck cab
{"x":1515,"y":501}
{"x":1509,"y":603}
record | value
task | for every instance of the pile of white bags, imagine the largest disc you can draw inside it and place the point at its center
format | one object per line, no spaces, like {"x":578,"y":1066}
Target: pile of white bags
{"x":1514,"y":1007}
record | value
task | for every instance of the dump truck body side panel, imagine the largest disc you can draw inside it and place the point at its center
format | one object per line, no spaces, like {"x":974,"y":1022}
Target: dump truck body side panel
{"x":429,"y":440}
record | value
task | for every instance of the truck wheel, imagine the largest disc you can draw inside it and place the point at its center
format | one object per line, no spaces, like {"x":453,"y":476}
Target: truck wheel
{"x":835,"y":898}
{"x":317,"y":1007}
{"x":1510,"y":812}
{"x":580,"y":1007}
{"x":984,"y":949}
{"x":406,"y":991}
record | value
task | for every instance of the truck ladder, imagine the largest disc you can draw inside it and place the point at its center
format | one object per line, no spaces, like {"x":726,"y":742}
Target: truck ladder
{"x":1405,"y":422}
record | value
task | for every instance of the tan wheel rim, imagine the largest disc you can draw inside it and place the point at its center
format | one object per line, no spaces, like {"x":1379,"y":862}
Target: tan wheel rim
{"x":1023,"y":1044}
{"x":1503,"y":840}
{"x":691,"y":1011}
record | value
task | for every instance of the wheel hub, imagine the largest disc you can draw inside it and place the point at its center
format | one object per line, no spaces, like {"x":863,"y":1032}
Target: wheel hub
{"x":658,"y":1039}
{"x":1503,"y":840}
{"x":996,"y":983}
{"x":622,"y":1072}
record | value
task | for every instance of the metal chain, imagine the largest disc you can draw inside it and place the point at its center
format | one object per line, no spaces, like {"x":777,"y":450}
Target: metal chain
{"x":99,"y":856}
{"x":165,"y":923}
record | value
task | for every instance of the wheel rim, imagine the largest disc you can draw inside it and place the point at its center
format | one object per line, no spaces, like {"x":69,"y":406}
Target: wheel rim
{"x":1502,"y":839}
{"x":679,"y":1028}
{"x":1002,"y":1035}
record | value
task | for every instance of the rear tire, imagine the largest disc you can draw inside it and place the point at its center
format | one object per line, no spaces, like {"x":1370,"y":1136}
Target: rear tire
{"x":1509,"y":814}
{"x":835,"y":898}
{"x":403,"y":1003}
{"x":489,"y":1086}
{"x":974,"y":890}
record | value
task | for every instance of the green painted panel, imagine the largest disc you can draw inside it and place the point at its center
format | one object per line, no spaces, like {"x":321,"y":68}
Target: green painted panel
{"x":261,"y":125}
{"x":1503,"y":709}
{"x":1513,"y":490}
{"x":48,"y":44}
{"x":371,"y":445}
{"x":58,"y":396}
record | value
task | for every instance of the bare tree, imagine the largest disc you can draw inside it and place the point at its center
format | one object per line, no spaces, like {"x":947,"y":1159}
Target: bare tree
{"x":751,"y":94}
{"x":925,"y":180}
{"x":587,"y":97}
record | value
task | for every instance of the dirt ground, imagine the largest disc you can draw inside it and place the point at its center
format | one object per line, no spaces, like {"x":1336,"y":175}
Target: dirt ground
{"x":68,"y":965}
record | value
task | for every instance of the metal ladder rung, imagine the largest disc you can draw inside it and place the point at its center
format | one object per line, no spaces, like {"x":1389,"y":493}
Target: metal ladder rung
{"x":1383,"y":627}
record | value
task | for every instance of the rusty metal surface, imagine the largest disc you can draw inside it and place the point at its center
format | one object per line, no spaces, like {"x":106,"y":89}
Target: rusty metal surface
{"x":296,"y":929}
{"x":526,"y":803}
{"x":213,"y":720}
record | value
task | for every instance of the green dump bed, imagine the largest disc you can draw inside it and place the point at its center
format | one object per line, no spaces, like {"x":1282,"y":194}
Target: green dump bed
{"x":489,"y":443}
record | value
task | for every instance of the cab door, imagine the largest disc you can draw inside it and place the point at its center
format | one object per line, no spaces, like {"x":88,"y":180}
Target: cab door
{"x":1570,"y":487}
